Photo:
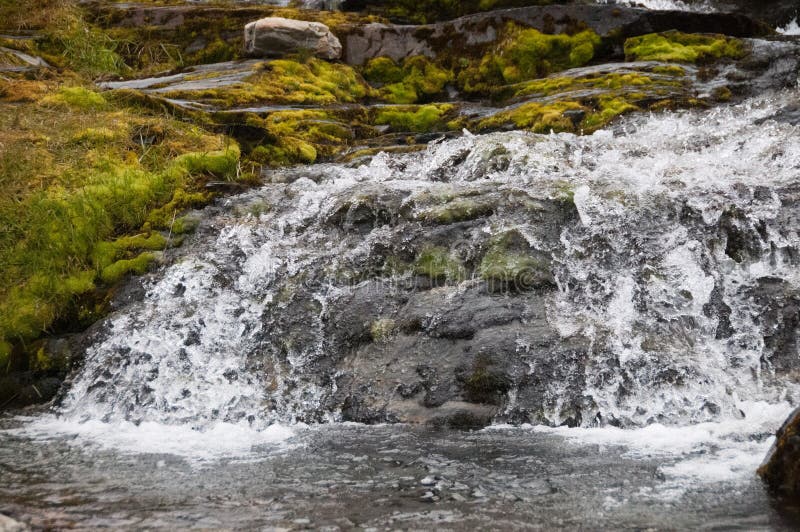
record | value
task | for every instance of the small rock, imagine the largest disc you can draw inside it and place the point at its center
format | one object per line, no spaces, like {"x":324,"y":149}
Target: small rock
{"x":276,"y":37}
{"x":428,"y":481}
{"x":429,"y":496}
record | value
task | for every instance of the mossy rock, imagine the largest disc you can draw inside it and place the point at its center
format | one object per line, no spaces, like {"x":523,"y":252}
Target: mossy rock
{"x":677,"y":47}
{"x":417,"y":119}
{"x":523,"y":54}
{"x":418,"y":79}
{"x":439,"y":264}
{"x":511,"y":265}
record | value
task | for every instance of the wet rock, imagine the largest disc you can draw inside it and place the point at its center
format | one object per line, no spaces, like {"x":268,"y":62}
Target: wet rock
{"x":774,"y":12}
{"x":781,"y":468}
{"x":276,"y":37}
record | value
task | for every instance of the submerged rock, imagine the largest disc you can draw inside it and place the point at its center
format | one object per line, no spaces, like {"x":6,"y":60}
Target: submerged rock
{"x":781,"y":469}
{"x":276,"y":37}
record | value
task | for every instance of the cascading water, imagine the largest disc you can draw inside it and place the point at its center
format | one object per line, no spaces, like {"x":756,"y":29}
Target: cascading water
{"x":679,"y":249}
{"x":660,"y":313}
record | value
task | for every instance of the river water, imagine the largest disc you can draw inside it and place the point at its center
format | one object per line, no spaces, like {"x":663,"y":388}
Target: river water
{"x":170,"y":426}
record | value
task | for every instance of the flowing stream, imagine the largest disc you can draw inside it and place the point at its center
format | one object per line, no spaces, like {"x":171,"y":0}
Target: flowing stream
{"x":212,"y":399}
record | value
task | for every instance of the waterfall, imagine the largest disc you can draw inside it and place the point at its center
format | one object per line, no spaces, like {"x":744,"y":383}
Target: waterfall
{"x":678,"y":273}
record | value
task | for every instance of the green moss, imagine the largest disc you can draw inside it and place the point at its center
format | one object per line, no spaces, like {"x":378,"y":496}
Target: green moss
{"x":96,"y":136}
{"x":216,"y":52}
{"x":538,"y":117}
{"x":84,"y":48}
{"x":181,"y":200}
{"x":437,"y":263}
{"x":525,"y":54}
{"x":457,"y":210}
{"x":722,"y":94}
{"x":107,"y":252}
{"x":383,"y":70}
{"x":116,"y":271}
{"x":286,"y":81}
{"x":561,"y":84}
{"x":78,"y":97}
{"x":221,"y":164}
{"x":383,"y":330}
{"x":508,"y":264}
{"x":418,"y":80}
{"x":608,"y":109}
{"x":674,"y":46}
{"x":418,"y":119}
{"x":501,"y":265}
{"x":301,"y":136}
{"x":669,"y":70}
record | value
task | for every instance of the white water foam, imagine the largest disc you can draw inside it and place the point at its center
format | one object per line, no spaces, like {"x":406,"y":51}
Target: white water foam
{"x":664,"y":5}
{"x":213,"y":442}
{"x":791,"y":28}
{"x":727,"y":451}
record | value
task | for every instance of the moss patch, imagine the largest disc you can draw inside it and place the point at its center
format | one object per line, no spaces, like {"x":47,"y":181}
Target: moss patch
{"x":674,"y":46}
{"x":524,"y":54}
{"x":286,"y":81}
{"x":418,"y":119}
{"x":438,"y":263}
{"x":383,"y":330}
{"x":83,"y":177}
{"x":418,"y":79}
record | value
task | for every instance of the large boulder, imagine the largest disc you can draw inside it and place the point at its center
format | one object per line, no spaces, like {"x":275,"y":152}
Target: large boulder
{"x":276,"y":37}
{"x":781,"y":469}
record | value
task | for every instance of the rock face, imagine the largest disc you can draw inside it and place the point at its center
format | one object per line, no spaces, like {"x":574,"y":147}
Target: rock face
{"x":781,"y":469}
{"x":276,"y":36}
{"x":476,"y":32}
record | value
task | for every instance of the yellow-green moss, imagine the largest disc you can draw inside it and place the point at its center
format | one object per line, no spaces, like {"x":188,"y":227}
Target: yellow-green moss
{"x":301,"y":136}
{"x":456,"y":210}
{"x":561,"y":84}
{"x":502,"y":265}
{"x":78,"y":97}
{"x":525,"y":54}
{"x":417,"y":80}
{"x":73,"y":193}
{"x":608,"y":109}
{"x":382,"y":330}
{"x":116,"y":271}
{"x":418,"y":119}
{"x":669,"y":70}
{"x":674,"y":46}
{"x":538,"y":117}
{"x":438,"y":263}
{"x":286,"y":81}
